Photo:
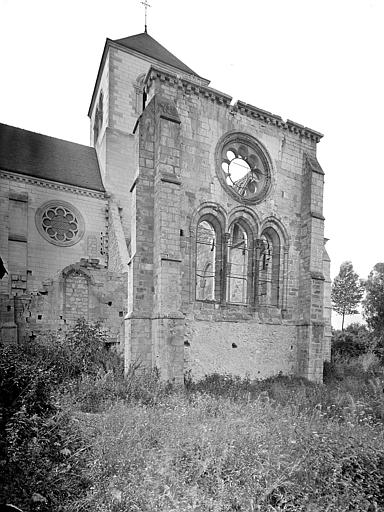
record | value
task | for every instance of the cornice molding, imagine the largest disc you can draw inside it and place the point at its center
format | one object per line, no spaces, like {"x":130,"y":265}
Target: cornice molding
{"x":303,"y":131}
{"x":275,"y":120}
{"x":51,"y":184}
{"x":174,"y":80}
{"x":257,"y":113}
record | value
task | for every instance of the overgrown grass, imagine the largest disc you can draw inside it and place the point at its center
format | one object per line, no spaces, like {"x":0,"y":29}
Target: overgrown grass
{"x":230,"y":444}
{"x":203,"y":453}
{"x":76,"y":435}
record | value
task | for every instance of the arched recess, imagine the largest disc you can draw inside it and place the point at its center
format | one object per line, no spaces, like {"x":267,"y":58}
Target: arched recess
{"x":76,"y":283}
{"x":239,"y":260}
{"x":248,"y":216}
{"x":207,"y":252}
{"x":141,"y":96}
{"x":99,"y":115}
{"x":272,"y":263}
{"x":276,"y":224}
{"x":208,"y":208}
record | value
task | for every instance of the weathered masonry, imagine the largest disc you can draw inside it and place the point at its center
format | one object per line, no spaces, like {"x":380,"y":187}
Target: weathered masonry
{"x":215,"y":211}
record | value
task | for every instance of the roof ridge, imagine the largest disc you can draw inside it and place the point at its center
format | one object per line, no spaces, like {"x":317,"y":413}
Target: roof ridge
{"x":155,"y":50}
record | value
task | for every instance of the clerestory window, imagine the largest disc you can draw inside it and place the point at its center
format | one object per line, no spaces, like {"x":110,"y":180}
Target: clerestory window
{"x":239,"y":265}
{"x":269,"y":268}
{"x":236,"y":268}
{"x":208,"y":260}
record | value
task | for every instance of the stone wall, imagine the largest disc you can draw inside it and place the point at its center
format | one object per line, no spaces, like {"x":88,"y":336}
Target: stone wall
{"x":82,"y":290}
{"x":116,"y":150}
{"x":246,"y":348}
{"x":178,"y":184}
{"x":29,"y":257}
{"x":49,"y":285}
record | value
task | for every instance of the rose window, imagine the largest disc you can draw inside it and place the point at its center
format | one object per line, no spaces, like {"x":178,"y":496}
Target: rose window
{"x":60,"y":223}
{"x":244,"y":167}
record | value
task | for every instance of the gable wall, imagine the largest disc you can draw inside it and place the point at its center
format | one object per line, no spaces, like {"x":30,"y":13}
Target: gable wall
{"x":177,"y":177}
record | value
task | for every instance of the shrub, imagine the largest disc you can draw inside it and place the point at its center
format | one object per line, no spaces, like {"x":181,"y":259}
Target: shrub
{"x":41,"y":448}
{"x":354,"y":341}
{"x":81,"y":350}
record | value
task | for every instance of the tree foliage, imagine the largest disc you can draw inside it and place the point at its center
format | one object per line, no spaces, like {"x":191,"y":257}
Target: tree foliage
{"x":347,"y":291}
{"x":354,"y":341}
{"x":374,"y":302}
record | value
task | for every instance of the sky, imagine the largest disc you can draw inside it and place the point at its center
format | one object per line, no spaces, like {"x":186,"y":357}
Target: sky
{"x":318,"y":63}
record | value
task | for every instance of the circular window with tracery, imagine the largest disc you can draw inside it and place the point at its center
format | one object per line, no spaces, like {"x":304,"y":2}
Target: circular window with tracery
{"x":60,"y":223}
{"x":243,"y":167}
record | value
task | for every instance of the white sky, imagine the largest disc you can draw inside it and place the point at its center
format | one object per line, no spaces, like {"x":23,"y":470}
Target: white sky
{"x":319,"y":63}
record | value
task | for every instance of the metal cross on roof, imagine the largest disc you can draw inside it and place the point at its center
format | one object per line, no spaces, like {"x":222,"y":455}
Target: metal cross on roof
{"x":146,"y":5}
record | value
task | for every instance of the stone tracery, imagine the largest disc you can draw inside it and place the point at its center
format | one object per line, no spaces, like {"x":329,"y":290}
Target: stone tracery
{"x":60,"y":223}
{"x":243,"y":167}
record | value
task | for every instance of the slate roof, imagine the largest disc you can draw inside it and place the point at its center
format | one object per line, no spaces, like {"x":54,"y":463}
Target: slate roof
{"x":147,"y":45}
{"x":40,"y":156}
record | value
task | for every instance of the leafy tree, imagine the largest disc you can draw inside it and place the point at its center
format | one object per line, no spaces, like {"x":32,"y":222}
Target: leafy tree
{"x":354,"y":341}
{"x":374,"y":302}
{"x":347,"y":291}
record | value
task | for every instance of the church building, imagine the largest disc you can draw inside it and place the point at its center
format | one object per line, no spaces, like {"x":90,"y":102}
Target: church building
{"x":192,"y":226}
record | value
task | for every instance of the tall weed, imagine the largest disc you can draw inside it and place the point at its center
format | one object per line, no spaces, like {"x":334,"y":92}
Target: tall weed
{"x":216,"y":454}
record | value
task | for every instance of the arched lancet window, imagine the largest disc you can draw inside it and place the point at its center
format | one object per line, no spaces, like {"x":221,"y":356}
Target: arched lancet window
{"x":208,"y":260}
{"x":98,"y":122}
{"x":238,"y":265}
{"x":141,"y":95}
{"x":269,"y":268}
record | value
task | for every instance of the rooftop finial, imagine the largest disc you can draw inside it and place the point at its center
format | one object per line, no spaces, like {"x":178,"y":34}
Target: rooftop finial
{"x":146,"y":5}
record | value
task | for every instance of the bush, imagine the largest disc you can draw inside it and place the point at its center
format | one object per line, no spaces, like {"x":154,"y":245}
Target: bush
{"x":81,"y":350}
{"x":42,"y":451}
{"x":354,"y":341}
{"x":41,"y":448}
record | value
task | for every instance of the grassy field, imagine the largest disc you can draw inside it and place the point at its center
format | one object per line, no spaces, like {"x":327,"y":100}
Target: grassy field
{"x":291,"y":446}
{"x":84,"y":438}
